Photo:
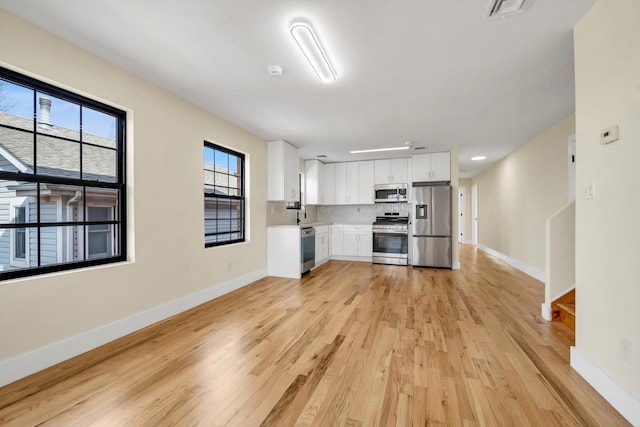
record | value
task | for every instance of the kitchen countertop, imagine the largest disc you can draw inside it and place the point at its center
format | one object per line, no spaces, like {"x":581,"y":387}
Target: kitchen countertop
{"x":301,"y":225}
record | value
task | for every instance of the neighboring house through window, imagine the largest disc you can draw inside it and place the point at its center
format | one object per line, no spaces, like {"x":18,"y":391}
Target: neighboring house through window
{"x":224,"y":204}
{"x":19,"y":246}
{"x":62,"y":179}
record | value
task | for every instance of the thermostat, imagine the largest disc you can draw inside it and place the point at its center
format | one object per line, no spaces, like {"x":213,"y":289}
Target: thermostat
{"x":609,"y":135}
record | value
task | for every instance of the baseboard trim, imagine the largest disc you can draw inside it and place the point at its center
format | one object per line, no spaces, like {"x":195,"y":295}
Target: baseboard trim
{"x":527,"y":269}
{"x":351,"y":258}
{"x":617,"y":396}
{"x":34,"y":361}
{"x":545,"y":311}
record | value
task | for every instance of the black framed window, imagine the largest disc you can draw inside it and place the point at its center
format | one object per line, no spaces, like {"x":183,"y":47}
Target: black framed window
{"x":224,"y":207}
{"x":62,"y":179}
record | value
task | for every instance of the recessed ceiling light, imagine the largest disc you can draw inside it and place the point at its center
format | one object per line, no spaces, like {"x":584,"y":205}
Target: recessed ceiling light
{"x":476,"y":158}
{"x":374,"y":150}
{"x":308,"y":42}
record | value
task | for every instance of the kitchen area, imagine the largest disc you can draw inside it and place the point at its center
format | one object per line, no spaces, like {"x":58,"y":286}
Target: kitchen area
{"x":397,"y":211}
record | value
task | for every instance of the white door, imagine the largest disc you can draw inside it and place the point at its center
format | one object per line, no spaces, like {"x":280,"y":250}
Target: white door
{"x":474,"y":213}
{"x":462,"y":218}
{"x":572,"y":167}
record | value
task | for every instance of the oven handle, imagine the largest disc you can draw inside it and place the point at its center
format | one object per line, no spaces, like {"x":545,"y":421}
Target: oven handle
{"x":405,"y":233}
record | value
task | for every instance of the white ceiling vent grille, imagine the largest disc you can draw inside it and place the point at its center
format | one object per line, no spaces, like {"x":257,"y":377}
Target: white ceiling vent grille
{"x":504,"y":8}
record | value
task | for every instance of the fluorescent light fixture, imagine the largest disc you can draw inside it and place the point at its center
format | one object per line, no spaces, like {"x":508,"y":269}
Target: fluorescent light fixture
{"x":305,"y":37}
{"x":477,"y":158}
{"x":375,"y":150}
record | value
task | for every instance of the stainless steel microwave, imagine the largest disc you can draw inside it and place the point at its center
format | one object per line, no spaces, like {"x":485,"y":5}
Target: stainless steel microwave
{"x":390,"y":193}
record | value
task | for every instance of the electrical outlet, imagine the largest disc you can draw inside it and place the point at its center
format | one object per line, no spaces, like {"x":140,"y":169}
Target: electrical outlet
{"x":589,"y":191}
{"x":625,"y":349}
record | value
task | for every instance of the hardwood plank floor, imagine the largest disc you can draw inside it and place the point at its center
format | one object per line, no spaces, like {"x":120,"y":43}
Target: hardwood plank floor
{"x":350,"y":344}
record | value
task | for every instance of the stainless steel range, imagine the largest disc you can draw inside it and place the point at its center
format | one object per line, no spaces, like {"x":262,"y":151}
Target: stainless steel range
{"x":390,"y":240}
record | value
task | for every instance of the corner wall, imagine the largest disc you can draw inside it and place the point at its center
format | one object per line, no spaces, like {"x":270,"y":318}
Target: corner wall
{"x":165,"y":134}
{"x":517,"y":194}
{"x":607,"y":61}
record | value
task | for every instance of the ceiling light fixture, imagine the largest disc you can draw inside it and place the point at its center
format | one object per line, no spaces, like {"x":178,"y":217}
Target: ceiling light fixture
{"x":305,"y":37}
{"x":477,"y":158}
{"x":375,"y":150}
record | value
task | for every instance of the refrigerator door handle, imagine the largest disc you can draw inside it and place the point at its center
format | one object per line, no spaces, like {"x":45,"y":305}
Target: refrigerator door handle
{"x":421,"y":212}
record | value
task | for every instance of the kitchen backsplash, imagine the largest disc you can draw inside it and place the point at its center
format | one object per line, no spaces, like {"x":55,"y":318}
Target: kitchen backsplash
{"x":347,"y":214}
{"x":277,"y":214}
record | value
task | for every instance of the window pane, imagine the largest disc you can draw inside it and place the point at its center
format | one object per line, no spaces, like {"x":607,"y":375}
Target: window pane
{"x":222,"y":162}
{"x":208,"y":158}
{"x":98,"y":164}
{"x":55,"y":196}
{"x":20,"y":243}
{"x":18,"y":150}
{"x":210,"y":208}
{"x":98,"y":128}
{"x":222,"y":181}
{"x":57,"y":157}
{"x":103,"y":198}
{"x":16,"y":105}
{"x":97,"y":214}
{"x":58,"y":117}
{"x":233,"y":164}
{"x":12,"y":195}
{"x":61,"y":244}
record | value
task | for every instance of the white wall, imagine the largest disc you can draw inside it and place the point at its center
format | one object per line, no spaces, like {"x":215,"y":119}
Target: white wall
{"x":607,"y":61}
{"x":167,"y":256}
{"x":518,"y":193}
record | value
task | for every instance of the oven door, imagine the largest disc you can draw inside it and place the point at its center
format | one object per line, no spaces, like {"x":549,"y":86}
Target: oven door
{"x":390,"y":244}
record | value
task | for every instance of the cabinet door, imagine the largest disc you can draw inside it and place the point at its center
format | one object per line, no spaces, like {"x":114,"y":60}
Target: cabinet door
{"x":365,"y":243}
{"x":341,"y":184}
{"x":291,"y":173}
{"x":336,"y":240}
{"x":312,"y":180}
{"x":421,"y":167}
{"x":382,"y":171}
{"x":441,"y":166}
{"x":366,"y":192}
{"x":399,"y":171}
{"x":353,"y":183}
{"x":322,"y":246}
{"x":351,"y":243}
{"x":329,"y":185}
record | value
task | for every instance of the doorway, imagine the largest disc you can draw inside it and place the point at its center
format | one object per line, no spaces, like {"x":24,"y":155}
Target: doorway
{"x":462,"y":217}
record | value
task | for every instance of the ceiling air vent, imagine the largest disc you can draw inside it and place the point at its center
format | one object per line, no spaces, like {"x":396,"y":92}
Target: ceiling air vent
{"x":504,"y":8}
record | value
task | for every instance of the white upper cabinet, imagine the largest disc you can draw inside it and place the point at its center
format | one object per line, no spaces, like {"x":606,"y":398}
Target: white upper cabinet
{"x":329,"y":196}
{"x":353,"y":183}
{"x":392,"y":171}
{"x":341,"y":184}
{"x":314,"y":178}
{"x":366,"y":192}
{"x":283,"y":162}
{"x":432,"y":167}
{"x":441,"y":166}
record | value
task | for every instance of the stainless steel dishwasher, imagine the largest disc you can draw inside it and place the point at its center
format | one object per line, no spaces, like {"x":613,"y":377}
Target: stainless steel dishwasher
{"x":307,"y":249}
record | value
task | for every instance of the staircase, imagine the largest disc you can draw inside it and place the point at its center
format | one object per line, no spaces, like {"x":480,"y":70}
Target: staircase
{"x":563,"y":309}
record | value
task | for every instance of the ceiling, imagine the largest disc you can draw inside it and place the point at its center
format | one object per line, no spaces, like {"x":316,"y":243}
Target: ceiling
{"x":433,"y":72}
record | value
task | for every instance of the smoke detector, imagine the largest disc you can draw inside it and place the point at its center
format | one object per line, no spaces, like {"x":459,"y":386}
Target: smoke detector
{"x":274,"y":70}
{"x":504,"y":8}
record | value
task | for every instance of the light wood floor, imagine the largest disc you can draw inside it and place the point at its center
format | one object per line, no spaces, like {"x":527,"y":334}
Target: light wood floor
{"x":350,"y":344}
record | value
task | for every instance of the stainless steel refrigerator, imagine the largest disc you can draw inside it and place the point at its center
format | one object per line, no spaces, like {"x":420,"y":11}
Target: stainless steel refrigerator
{"x":431,"y":226}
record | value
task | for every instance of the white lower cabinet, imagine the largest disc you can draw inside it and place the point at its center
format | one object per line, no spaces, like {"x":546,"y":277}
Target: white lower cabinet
{"x":337,"y":240}
{"x":352,"y":241}
{"x":322,"y":244}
